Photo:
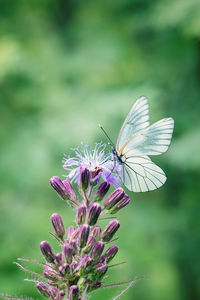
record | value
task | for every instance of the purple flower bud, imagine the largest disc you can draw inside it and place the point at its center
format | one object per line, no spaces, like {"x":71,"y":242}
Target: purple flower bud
{"x":58,"y":258}
{"x":86,"y":261}
{"x":81,"y":214}
{"x":58,"y":225}
{"x":50,"y":273}
{"x":122,"y":203}
{"x":109,"y":254}
{"x":43,"y":289}
{"x":47,"y":251}
{"x":75,"y":234}
{"x":100,"y":271}
{"x":110,"y":230}
{"x":58,"y":185}
{"x":73,"y":245}
{"x":102,"y":190}
{"x":63,"y":188}
{"x":83,"y":235}
{"x":74,"y":292}
{"x":70,"y":230}
{"x":74,"y":267}
{"x":93,"y":214}
{"x":113,"y":198}
{"x":70,"y":190}
{"x":85,"y":178}
{"x":68,"y":252}
{"x":96,"y":232}
{"x":90,"y":244}
{"x":61,"y":294}
{"x":97,"y":250}
{"x":54,"y":291}
{"x":64,"y":269}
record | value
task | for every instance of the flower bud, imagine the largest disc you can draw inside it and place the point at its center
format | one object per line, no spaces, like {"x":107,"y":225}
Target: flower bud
{"x":86,"y":261}
{"x":75,"y":234}
{"x":47,"y":251}
{"x":64,"y":269}
{"x":54,"y":291}
{"x":90,"y":244}
{"x":93,"y":214}
{"x":43,"y":289}
{"x":100,"y":271}
{"x":96,"y":232}
{"x":113,"y":198}
{"x":102,"y":190}
{"x":74,"y":267}
{"x":81,"y":214}
{"x":58,"y":258}
{"x":97,"y":250}
{"x":58,"y":185}
{"x":73,"y":245}
{"x":85,"y":178}
{"x":68,"y":252}
{"x":122,"y":203}
{"x":83,"y":235}
{"x":70,"y":190}
{"x":50,"y":273}
{"x":70,"y":230}
{"x":58,"y":225}
{"x":74,"y":292}
{"x":109,"y":254}
{"x":110,"y":230}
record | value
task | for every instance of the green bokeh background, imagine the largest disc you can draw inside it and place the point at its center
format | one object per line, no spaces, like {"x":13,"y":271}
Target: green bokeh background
{"x":66,"y":66}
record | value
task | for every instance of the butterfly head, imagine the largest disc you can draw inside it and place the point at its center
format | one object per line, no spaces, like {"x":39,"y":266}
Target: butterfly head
{"x":119,"y":157}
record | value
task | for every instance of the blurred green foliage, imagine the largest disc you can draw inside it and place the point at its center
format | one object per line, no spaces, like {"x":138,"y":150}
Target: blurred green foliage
{"x":66,"y":66}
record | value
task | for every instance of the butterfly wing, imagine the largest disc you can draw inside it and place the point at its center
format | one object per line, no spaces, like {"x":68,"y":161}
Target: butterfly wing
{"x":140,"y":174}
{"x":136,"y":140}
{"x":153,"y":140}
{"x":136,"y":120}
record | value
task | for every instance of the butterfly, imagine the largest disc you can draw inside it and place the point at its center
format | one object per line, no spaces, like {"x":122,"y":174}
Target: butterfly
{"x":137,"y":140}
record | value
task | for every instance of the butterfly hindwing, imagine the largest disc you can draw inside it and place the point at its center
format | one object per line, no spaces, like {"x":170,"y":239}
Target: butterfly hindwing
{"x":140,"y":174}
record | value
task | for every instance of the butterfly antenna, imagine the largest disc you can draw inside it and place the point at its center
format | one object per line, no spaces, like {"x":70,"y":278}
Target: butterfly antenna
{"x":107,"y":136}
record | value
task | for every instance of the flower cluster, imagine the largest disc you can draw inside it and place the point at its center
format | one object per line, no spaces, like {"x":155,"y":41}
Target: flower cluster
{"x":99,"y":164}
{"x":85,"y":251}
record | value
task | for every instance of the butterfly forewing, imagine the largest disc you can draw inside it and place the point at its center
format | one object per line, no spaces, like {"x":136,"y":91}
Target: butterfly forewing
{"x":137,"y":119}
{"x":154,"y":140}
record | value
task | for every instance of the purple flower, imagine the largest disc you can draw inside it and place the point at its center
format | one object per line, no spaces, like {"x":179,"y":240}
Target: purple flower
{"x":96,"y":161}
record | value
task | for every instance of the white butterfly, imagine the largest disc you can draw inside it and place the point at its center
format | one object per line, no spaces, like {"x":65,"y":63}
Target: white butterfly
{"x":137,"y":139}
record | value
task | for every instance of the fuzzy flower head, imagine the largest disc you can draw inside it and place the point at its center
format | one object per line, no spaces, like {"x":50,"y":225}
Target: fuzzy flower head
{"x":100,"y":164}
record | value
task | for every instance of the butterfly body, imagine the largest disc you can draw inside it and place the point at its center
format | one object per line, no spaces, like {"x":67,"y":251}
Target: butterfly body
{"x":138,"y":139}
